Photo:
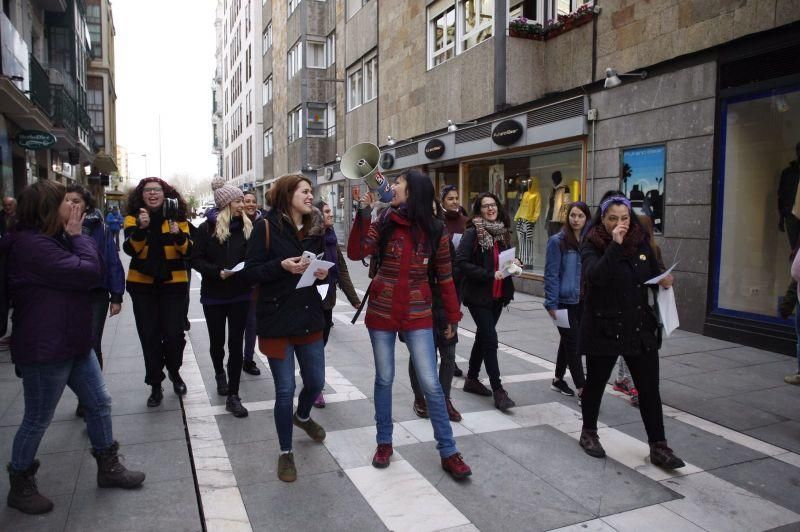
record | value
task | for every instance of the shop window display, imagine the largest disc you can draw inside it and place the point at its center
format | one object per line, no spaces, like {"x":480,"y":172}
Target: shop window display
{"x":535,"y":188}
{"x":758,"y":220}
{"x":643,"y":171}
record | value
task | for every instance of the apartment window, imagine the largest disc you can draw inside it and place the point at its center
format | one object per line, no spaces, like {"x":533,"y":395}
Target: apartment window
{"x":249,"y":108}
{"x":266,"y":38}
{"x":249,"y":153}
{"x":94,"y":21}
{"x":353,"y":6}
{"x":315,"y":57}
{"x":295,"y":124}
{"x":565,"y":7}
{"x":455,"y":26}
{"x":330,"y":49}
{"x":268,"y":142}
{"x":355,"y":87}
{"x":295,"y":61}
{"x":370,"y":79}
{"x":248,"y":63}
{"x":293,"y":5}
{"x":266,"y":91}
{"x":94,"y":106}
{"x":247,"y":19}
{"x":331,"y":119}
{"x":315,"y":123}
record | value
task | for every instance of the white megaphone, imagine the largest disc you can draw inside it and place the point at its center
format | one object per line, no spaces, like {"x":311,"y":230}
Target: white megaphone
{"x":362,"y":162}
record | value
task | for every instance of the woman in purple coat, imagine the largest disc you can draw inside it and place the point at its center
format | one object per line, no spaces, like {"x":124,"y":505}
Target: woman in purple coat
{"x":50,"y":267}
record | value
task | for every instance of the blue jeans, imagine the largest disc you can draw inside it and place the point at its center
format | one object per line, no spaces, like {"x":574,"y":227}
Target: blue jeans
{"x":422,"y":347}
{"x":43,"y":385}
{"x":311,"y":358}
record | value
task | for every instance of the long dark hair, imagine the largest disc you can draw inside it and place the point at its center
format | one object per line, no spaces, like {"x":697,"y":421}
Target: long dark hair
{"x":598,"y":215}
{"x":421,"y":196}
{"x":569,"y":241}
{"x":135,"y":199}
{"x":502,"y":215}
{"x":38,"y":207}
{"x":85,"y":195}
{"x":280,"y":197}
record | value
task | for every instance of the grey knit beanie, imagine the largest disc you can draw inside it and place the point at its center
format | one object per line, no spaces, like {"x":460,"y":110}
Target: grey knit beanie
{"x":224,"y":194}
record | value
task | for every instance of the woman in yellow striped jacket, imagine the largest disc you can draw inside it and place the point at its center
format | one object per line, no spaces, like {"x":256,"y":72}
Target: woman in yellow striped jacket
{"x":158,"y":240}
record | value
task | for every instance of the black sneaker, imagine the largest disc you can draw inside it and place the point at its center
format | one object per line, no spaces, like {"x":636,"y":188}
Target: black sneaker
{"x":222,"y":383}
{"x":457,"y":371}
{"x":562,"y":387}
{"x":234,"y":405}
{"x":251,"y":368}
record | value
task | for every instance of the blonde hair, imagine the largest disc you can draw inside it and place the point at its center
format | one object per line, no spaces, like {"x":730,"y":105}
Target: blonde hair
{"x":222,"y":231}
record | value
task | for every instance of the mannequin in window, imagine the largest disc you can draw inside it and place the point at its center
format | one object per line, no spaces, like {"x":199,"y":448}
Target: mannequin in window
{"x":527,"y":215}
{"x":556,"y":206}
{"x":788,"y":206}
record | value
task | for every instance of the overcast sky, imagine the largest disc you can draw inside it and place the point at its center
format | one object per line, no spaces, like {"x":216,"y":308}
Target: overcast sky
{"x":164,"y":67}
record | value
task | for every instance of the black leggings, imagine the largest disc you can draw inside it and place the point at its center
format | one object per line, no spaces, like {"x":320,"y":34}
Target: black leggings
{"x":568,"y":348}
{"x":236,"y":316}
{"x":644,"y":370}
{"x":447,"y":365}
{"x":485,"y":347}
{"x":159,"y":322}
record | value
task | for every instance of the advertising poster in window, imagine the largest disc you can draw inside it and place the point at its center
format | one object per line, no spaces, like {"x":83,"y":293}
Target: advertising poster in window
{"x":642,"y":177}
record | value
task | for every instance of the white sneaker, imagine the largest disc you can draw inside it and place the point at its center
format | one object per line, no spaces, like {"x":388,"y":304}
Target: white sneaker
{"x":792,"y":379}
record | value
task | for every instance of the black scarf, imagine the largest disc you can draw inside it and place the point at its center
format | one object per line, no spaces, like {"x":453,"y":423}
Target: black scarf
{"x":155,"y":265}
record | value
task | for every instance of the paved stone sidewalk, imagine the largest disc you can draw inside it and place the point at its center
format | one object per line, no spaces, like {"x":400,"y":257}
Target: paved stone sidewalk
{"x":729,"y":416}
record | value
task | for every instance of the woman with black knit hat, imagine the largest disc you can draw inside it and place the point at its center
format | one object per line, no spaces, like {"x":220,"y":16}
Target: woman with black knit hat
{"x":221,"y":244}
{"x":619,"y":319}
{"x":157,"y":239}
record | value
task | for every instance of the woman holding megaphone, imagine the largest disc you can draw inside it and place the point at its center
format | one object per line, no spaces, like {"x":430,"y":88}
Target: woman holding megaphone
{"x":157,"y":239}
{"x":410,"y":248}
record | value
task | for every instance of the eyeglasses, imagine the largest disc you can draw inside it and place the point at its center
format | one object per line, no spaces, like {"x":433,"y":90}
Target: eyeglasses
{"x":488,"y":206}
{"x":152,"y":190}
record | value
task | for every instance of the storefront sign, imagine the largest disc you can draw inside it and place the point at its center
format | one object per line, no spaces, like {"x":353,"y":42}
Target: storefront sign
{"x":387,"y":160}
{"x":328,"y":173}
{"x":31,"y":139}
{"x":507,"y":133}
{"x":434,"y":149}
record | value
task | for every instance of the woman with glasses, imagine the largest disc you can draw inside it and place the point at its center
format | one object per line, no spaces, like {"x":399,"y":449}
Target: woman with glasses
{"x":485,"y":291}
{"x":158,"y":241}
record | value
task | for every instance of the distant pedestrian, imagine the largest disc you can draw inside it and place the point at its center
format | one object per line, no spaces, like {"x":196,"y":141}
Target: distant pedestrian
{"x":51,"y":267}
{"x":158,"y":240}
{"x":114,"y":222}
{"x":619,"y":319}
{"x":290,"y":320}
{"x":403,"y":245}
{"x":8,"y":215}
{"x":220,"y":245}
{"x":106,"y":296}
{"x":338,"y":277}
{"x":249,"y":365}
{"x":485,"y":291}
{"x":562,"y":289}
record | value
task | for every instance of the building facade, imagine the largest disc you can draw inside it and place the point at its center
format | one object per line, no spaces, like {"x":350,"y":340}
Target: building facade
{"x":240,"y":70}
{"x":45,"y":127}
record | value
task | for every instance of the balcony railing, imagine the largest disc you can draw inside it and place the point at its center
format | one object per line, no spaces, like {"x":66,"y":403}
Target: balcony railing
{"x":65,"y":109}
{"x":40,"y":86}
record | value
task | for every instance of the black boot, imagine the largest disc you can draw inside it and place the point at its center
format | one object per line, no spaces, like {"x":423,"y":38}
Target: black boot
{"x":80,"y":411}
{"x":662,"y":456}
{"x":234,"y":405}
{"x":251,"y":367}
{"x":457,"y":371}
{"x":222,"y":383}
{"x":155,"y":396}
{"x":178,"y":386}
{"x":590,"y":442}
{"x":111,"y":473}
{"x":23,"y":494}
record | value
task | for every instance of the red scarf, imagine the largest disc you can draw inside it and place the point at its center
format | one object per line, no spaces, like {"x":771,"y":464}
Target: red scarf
{"x":497,"y":287}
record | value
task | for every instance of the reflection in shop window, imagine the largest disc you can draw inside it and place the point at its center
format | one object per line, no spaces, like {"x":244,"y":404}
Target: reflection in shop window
{"x":642,"y":175}
{"x":761,"y":164}
{"x":478,"y":21}
{"x":444,"y":36}
{"x":535,"y":189}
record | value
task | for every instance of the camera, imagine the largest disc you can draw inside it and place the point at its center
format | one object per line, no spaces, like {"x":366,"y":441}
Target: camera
{"x":170,"y":209}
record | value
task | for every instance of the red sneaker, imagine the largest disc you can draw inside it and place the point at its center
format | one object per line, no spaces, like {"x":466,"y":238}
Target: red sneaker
{"x":455,"y":465}
{"x":382,"y":454}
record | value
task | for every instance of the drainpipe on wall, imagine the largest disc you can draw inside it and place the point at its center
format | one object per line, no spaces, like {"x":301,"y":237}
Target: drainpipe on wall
{"x":500,"y":70}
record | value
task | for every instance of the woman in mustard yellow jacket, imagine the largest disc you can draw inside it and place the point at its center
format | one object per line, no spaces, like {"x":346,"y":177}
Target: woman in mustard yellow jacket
{"x":157,"y":239}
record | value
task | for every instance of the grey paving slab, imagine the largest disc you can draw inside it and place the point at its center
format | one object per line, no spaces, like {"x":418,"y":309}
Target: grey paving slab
{"x":679,"y":395}
{"x":534,"y":392}
{"x":501,"y":494}
{"x":257,"y":426}
{"x":772,"y":479}
{"x":728,"y":411}
{"x":556,"y":458}
{"x":786,"y":435}
{"x":616,"y":411}
{"x":705,"y":361}
{"x":160,"y":461}
{"x":731,"y":381}
{"x":751,"y":355}
{"x":698,"y":447}
{"x":150,"y":427}
{"x":169,"y":505}
{"x":673,"y":370}
{"x":57,"y":474}
{"x":347,"y":414}
{"x":13,"y":520}
{"x":792,"y":527}
{"x":135,"y":402}
{"x":257,"y":462}
{"x":781,"y":400}
{"x":322,"y":502}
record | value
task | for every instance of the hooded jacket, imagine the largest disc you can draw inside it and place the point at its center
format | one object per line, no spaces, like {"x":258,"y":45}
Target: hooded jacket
{"x":113,"y":280}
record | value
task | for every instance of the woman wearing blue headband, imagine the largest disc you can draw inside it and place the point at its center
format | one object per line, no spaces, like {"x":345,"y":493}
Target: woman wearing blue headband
{"x":620,"y":319}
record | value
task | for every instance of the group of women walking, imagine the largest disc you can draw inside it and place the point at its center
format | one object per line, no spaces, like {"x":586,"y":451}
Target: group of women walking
{"x":62,"y":267}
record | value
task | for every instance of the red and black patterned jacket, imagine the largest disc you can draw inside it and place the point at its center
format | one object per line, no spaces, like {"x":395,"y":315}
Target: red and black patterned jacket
{"x":400,"y":294}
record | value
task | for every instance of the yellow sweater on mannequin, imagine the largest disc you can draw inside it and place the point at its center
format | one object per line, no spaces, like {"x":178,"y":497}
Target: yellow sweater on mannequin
{"x":531,"y":206}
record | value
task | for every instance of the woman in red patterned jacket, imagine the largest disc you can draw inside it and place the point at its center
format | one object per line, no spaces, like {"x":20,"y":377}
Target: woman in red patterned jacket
{"x":412,"y":249}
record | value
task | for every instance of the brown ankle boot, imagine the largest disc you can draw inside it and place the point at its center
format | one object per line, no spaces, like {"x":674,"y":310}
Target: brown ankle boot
{"x":662,"y":456}
{"x":24,"y":494}
{"x":420,"y":407}
{"x":475,"y":386}
{"x":590,"y":442}
{"x":452,"y":413}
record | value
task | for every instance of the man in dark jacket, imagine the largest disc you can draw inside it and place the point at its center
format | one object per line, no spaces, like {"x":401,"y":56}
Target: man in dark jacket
{"x":7,"y":214}
{"x":787,"y":193}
